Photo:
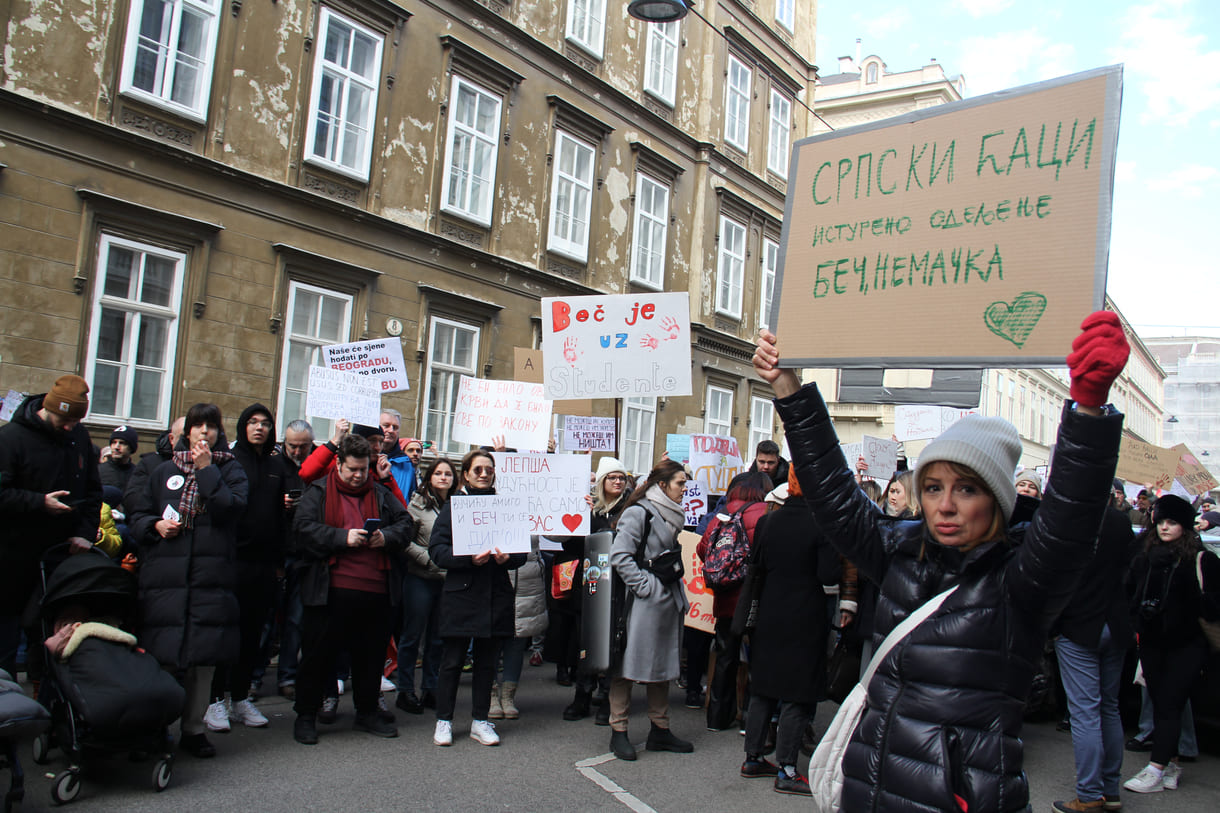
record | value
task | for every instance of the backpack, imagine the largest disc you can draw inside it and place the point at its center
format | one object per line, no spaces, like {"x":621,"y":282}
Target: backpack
{"x":728,"y":553}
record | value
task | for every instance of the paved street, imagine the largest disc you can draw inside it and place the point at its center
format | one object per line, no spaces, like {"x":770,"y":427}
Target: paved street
{"x":544,"y":764}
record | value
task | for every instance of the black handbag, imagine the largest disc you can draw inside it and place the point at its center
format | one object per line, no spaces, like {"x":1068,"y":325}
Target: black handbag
{"x":842,"y":670}
{"x":667,"y":566}
{"x":745,"y":616}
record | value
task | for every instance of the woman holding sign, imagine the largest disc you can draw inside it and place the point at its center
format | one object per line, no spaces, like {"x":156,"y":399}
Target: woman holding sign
{"x":476,"y":604}
{"x":941,"y":727}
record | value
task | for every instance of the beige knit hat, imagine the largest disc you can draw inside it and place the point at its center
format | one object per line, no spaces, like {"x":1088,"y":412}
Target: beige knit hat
{"x":990,"y":447}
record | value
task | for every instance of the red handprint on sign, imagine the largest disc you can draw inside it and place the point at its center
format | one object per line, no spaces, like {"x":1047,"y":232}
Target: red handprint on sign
{"x":569,"y":350}
{"x":670,"y":326}
{"x":649,"y":341}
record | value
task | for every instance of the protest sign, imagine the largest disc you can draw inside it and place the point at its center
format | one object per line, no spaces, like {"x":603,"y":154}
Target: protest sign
{"x":616,"y":346}
{"x":921,"y":422}
{"x":483,"y":522}
{"x":694,"y":502}
{"x":1143,"y":463}
{"x":336,"y":394}
{"x":554,"y":488}
{"x":852,"y":452}
{"x":881,"y":455}
{"x":379,"y":359}
{"x":517,"y":410}
{"x":678,"y":447}
{"x":527,"y":366}
{"x":12,"y":400}
{"x":588,"y":434}
{"x":983,"y":223}
{"x":715,"y":460}
{"x":698,"y":594}
{"x":1192,"y":474}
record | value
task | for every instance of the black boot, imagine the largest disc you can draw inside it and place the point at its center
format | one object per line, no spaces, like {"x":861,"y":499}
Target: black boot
{"x":621,"y":745}
{"x":602,"y":716}
{"x":662,"y":739}
{"x":305,"y":730}
{"x":578,"y":709}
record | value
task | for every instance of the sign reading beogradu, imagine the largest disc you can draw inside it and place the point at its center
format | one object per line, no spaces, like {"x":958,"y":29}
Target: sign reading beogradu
{"x":715,"y":460}
{"x":516,"y":410}
{"x":336,"y":394}
{"x":985,"y":221}
{"x":698,"y":594}
{"x":616,"y":346}
{"x":553,"y":486}
{"x":488,"y":522}
{"x":377,"y":358}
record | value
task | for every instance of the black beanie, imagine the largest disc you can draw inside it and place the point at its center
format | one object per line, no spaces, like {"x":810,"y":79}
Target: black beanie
{"x":127,"y":435}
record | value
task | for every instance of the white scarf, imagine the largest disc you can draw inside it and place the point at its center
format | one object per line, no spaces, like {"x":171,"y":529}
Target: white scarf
{"x":668,"y":510}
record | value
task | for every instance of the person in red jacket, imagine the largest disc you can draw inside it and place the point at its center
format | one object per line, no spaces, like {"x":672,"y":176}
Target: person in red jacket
{"x":322,"y":460}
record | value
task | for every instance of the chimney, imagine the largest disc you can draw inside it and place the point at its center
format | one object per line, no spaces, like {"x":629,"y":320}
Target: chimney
{"x":859,"y":56}
{"x":846,"y":65}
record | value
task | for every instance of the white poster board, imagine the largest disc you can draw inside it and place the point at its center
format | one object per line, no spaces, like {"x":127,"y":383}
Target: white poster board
{"x":881,"y":455}
{"x":379,"y":359}
{"x":553,"y":487}
{"x":715,"y":460}
{"x":852,"y":453}
{"x":924,"y":422}
{"x":588,"y":434}
{"x":336,"y":394}
{"x":483,"y":522}
{"x":12,"y":400}
{"x":616,"y":346}
{"x":517,"y":410}
{"x":694,"y":502}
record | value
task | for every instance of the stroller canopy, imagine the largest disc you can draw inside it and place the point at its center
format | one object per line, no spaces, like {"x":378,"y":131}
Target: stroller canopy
{"x":93,"y":580}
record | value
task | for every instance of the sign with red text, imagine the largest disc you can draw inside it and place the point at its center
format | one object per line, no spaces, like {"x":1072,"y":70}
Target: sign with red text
{"x":554,"y":487}
{"x":698,"y":594}
{"x":586,"y":434}
{"x":527,"y":366}
{"x":489,"y":522}
{"x":616,"y":346}
{"x":1146,"y":464}
{"x":338,"y":394}
{"x":715,"y":460}
{"x":980,"y":226}
{"x":380,"y":359}
{"x":515,"y":410}
{"x":1192,"y":474}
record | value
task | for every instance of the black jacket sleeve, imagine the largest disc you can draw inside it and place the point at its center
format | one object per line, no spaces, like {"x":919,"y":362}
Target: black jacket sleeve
{"x":316,"y":541}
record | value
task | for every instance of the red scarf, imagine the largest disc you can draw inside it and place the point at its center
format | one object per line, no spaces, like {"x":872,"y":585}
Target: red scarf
{"x":333,"y":510}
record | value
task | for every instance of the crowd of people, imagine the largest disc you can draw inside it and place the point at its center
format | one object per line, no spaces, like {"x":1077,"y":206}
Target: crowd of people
{"x":340,"y":556}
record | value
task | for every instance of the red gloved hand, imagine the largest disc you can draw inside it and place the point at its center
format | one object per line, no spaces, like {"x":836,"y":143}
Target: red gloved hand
{"x":1098,"y":355}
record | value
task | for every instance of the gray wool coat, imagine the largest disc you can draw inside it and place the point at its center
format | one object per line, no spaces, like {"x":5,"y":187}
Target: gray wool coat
{"x":655,"y":612}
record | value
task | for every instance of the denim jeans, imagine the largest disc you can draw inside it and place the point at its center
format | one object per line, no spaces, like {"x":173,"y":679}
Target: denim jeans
{"x":513,"y":654}
{"x":1091,"y":680}
{"x":421,"y":600}
{"x":1188,"y":743}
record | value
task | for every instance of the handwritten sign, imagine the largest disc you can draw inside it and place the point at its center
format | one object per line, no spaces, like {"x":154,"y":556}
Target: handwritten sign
{"x":483,"y":522}
{"x":678,"y":447}
{"x":12,"y":400}
{"x":986,"y":221}
{"x":715,"y":460}
{"x":517,"y":410}
{"x":1192,"y":474}
{"x":1143,"y":463}
{"x":379,"y":359}
{"x":694,"y":502}
{"x":698,"y":594}
{"x":553,"y":487}
{"x":881,"y":455}
{"x":588,"y":434}
{"x":336,"y":394}
{"x":920,"y":422}
{"x":527,"y":366}
{"x":852,"y":452}
{"x":616,"y":346}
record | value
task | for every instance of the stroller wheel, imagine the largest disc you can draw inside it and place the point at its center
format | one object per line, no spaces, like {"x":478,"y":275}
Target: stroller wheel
{"x":163,"y":771}
{"x":42,"y":749}
{"x":66,"y":787}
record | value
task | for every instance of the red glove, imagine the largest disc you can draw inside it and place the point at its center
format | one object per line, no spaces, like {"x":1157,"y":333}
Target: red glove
{"x":1098,"y":355}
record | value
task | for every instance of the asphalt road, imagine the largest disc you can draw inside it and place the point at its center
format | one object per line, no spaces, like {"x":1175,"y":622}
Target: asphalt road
{"x":544,"y":764}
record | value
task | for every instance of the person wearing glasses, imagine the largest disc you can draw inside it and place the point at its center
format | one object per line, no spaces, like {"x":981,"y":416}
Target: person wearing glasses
{"x":477,"y":603}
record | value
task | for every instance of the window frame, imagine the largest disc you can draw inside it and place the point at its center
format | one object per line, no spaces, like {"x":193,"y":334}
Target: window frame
{"x":658,"y":47}
{"x":710,"y":422}
{"x":654,"y":223}
{"x":778,"y":156}
{"x":638,"y":454}
{"x":737,"y":123}
{"x":766,"y":405}
{"x":785,"y":14}
{"x":478,"y":215}
{"x":196,"y":112}
{"x":556,"y":242}
{"x":443,"y":436}
{"x":321,"y":425}
{"x":766,"y":290}
{"x":172,"y":312}
{"x":594,"y":27}
{"x":723,"y":255}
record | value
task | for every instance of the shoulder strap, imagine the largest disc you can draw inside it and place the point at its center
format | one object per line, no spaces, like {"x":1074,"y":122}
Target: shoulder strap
{"x":639,"y":546}
{"x":903,"y":630}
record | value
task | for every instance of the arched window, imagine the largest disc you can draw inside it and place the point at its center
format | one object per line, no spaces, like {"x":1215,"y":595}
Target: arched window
{"x":870,"y":76}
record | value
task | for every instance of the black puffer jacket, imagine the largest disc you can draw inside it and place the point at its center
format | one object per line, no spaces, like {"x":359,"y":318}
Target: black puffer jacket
{"x":264,"y":525}
{"x":945,"y":707}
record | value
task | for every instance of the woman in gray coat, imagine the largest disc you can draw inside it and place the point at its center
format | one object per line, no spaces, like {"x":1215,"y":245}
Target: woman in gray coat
{"x":654,"y":611}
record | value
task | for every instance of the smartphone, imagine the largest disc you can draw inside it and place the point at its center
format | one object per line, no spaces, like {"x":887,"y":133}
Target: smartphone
{"x":294,"y":493}
{"x":371,"y":525}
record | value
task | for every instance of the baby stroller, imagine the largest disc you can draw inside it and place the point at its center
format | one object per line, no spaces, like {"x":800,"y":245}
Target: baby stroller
{"x":105,"y":695}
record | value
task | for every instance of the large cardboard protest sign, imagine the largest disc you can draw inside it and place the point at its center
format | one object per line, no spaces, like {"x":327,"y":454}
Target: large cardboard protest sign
{"x":1192,"y":474}
{"x":553,"y":487}
{"x":698,"y":594}
{"x":516,"y":410}
{"x":616,"y":346}
{"x":715,"y":460}
{"x":980,"y":229}
{"x":527,"y":366}
{"x":483,"y":522}
{"x":1146,"y":464}
{"x":379,"y":359}
{"x":587,"y":434}
{"x":337,"y":394}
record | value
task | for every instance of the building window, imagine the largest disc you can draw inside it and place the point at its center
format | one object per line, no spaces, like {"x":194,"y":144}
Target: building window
{"x":639,"y":428}
{"x":718,"y":411}
{"x":769,"y":267}
{"x":730,"y":267}
{"x":651,"y":227}
{"x":870,"y":73}
{"x":785,"y":13}
{"x":781,"y":127}
{"x":134,"y":332}
{"x":762,"y":419}
{"x":587,"y":24}
{"x":344,"y":100}
{"x":453,"y":350}
{"x":470,"y":172}
{"x":571,"y":197}
{"x":170,"y":49}
{"x":316,"y":317}
{"x":737,"y":105}
{"x":661,"y":61}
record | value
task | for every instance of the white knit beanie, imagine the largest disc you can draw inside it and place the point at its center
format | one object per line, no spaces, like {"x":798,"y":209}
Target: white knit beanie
{"x":990,"y":447}
{"x":607,"y":465}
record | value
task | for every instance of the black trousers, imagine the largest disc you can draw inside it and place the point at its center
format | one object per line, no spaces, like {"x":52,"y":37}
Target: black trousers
{"x":722,"y":693}
{"x":453,"y":655}
{"x":1171,"y":673}
{"x":353,"y":619}
{"x":256,"y":587}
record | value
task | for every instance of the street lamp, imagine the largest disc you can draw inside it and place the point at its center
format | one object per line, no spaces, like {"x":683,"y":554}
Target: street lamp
{"x":658,"y":11}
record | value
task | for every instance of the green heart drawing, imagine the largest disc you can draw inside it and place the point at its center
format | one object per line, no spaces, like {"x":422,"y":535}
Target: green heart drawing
{"x":1016,"y":321}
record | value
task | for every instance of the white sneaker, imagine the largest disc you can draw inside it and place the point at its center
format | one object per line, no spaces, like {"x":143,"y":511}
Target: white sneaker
{"x":484,"y":733}
{"x":1172,"y":772}
{"x":1149,"y":780}
{"x":340,"y":686}
{"x":246,"y":713}
{"x":216,"y":718}
{"x":387,"y":685}
{"x":444,"y":733}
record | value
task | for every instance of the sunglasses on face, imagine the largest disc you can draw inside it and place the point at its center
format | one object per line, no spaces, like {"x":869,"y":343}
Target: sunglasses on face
{"x":481,"y":470}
